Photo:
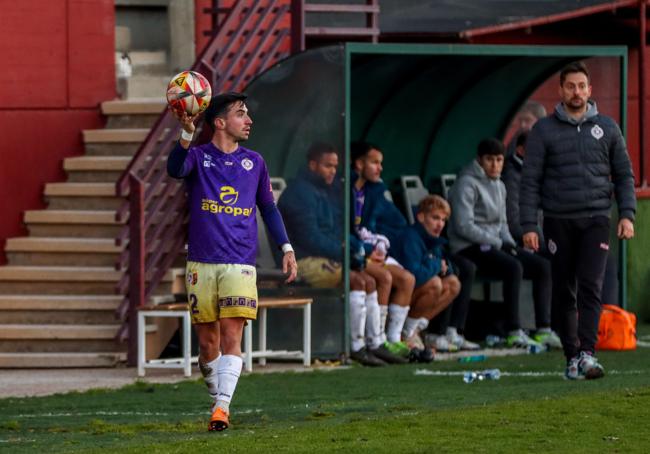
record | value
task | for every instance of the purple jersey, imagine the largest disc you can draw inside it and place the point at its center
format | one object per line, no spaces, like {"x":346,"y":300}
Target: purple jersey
{"x":224,"y":189}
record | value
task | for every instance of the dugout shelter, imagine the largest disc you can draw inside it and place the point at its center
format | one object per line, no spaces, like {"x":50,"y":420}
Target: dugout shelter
{"x":426,"y":106}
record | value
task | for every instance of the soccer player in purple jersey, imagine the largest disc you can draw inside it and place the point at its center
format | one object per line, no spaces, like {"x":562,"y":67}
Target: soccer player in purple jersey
{"x":225,"y":183}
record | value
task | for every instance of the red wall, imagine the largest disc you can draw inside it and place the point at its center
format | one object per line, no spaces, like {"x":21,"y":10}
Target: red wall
{"x":58,"y":66}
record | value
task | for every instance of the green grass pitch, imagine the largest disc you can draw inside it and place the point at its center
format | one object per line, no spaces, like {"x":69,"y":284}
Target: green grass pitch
{"x":394,"y":409}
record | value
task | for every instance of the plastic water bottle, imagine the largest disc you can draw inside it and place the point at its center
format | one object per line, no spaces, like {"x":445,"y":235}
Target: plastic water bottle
{"x":493,"y":341}
{"x":492,"y":374}
{"x":534,"y":349}
{"x":471,"y":359}
{"x":469,"y":377}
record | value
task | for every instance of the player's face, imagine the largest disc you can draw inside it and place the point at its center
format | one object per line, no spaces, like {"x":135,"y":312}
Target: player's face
{"x":325,"y":167}
{"x":526,"y":121}
{"x":433,"y":222}
{"x":371,"y":166}
{"x":492,"y":164}
{"x":237,"y":123}
{"x":575,"y":92}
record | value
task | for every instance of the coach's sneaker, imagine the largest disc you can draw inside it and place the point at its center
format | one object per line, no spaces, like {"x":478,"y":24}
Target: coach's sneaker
{"x":589,"y":367}
{"x":365,"y":358}
{"x":219,"y":420}
{"x":440,"y":343}
{"x":384,"y":354}
{"x":548,"y":337}
{"x":572,"y":371}
{"x":518,"y":338}
{"x":398,"y":348}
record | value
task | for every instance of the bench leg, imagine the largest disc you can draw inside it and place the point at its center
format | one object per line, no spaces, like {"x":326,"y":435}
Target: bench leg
{"x":187,"y":351}
{"x":262,"y":333}
{"x":306,"y":335}
{"x":141,"y":344}
{"x":248,"y":345}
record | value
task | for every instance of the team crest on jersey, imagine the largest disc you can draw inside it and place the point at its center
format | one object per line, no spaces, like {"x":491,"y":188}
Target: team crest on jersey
{"x":597,"y":132}
{"x":247,"y":164}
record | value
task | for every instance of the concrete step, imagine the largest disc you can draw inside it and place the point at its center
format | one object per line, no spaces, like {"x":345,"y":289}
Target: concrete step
{"x":133,"y":113}
{"x":50,"y":338}
{"x":85,"y":189}
{"x":62,"y":251}
{"x":147,"y":86}
{"x":122,"y":135}
{"x":147,"y":61}
{"x":60,"y":360}
{"x":53,"y":332}
{"x":75,"y":280}
{"x":99,"y":169}
{"x":77,"y":223}
{"x":82,"y":196}
{"x":63,"y":309}
{"x":135,"y":106}
{"x":116,"y":142}
{"x":60,"y":302}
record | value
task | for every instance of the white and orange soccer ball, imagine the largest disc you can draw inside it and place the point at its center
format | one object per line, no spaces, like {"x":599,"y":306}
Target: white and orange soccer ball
{"x":189,"y":92}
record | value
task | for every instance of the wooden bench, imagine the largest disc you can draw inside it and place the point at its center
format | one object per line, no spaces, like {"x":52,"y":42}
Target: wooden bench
{"x":181,"y":310}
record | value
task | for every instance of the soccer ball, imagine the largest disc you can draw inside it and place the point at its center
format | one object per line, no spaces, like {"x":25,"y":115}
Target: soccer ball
{"x":189,"y":92}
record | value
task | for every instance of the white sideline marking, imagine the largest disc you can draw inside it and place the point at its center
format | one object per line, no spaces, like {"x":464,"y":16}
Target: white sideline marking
{"x":122,"y":413}
{"x":459,"y":373}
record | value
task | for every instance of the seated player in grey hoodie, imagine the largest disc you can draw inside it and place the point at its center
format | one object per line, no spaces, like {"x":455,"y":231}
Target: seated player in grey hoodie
{"x":478,"y":230}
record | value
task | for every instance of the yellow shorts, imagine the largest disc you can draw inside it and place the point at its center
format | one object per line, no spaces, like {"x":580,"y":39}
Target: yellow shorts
{"x":218,"y":291}
{"x":320,"y":272}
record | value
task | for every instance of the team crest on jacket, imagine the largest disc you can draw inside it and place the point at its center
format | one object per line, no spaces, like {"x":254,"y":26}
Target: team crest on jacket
{"x":552,"y":247}
{"x":247,"y":164}
{"x":597,"y":132}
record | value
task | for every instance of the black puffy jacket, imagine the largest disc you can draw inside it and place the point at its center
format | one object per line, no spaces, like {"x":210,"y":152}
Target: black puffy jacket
{"x":572,"y":168}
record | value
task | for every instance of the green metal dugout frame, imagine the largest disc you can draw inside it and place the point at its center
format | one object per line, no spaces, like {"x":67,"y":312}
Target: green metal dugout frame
{"x":426,"y":106}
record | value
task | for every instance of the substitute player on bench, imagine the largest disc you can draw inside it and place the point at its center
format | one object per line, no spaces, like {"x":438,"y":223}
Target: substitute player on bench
{"x":225,"y":182}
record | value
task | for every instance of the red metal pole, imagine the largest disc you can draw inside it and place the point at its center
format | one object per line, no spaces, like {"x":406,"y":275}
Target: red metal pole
{"x":137,"y":272}
{"x":642,"y":95}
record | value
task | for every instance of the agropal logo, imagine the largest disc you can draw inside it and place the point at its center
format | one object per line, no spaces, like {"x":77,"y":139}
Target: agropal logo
{"x":228,"y":195}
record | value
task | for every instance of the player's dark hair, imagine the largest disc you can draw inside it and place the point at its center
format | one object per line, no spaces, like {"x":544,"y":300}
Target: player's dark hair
{"x":575,"y":67}
{"x":318,"y":149}
{"x":220,"y":105}
{"x":359,"y":150}
{"x":490,"y":146}
{"x":521,"y":139}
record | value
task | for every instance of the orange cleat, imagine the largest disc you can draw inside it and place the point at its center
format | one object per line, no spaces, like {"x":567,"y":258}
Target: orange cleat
{"x":218,"y":421}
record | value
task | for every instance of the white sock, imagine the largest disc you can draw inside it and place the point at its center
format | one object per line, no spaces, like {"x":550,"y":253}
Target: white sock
{"x":229,"y":368}
{"x":451,"y":331}
{"x":413,"y":325}
{"x":357,"y":319}
{"x":373,"y":321}
{"x":396,"y":317}
{"x":210,"y":375}
{"x":383,"y":314}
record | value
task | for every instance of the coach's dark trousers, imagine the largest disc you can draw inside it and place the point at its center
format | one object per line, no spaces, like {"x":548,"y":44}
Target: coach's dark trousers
{"x":578,"y":249}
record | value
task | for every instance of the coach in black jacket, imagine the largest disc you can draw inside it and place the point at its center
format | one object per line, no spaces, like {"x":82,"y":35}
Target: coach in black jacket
{"x":576,"y":159}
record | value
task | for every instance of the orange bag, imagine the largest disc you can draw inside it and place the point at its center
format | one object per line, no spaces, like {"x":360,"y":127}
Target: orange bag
{"x":617,"y":329}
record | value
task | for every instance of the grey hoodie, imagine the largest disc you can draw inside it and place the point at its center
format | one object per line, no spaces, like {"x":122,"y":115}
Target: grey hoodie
{"x":478,"y":210}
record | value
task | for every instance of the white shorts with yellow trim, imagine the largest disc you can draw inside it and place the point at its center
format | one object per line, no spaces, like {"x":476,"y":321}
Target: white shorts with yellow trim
{"x":216,"y":291}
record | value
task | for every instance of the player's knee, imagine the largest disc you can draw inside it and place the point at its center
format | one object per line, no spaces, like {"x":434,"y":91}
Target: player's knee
{"x":384,"y":278}
{"x":370,"y":284}
{"x":357,"y":281}
{"x":435,"y":284}
{"x":453,"y":284}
